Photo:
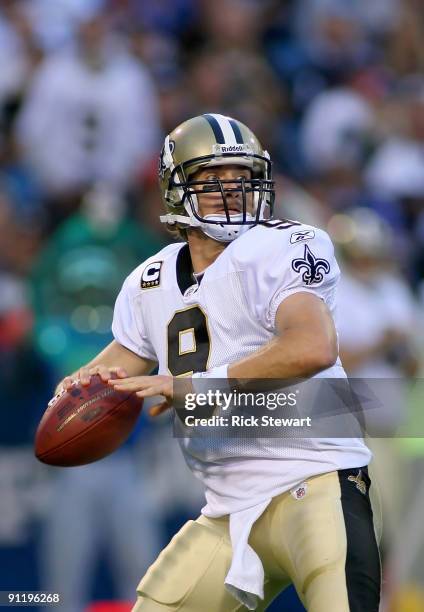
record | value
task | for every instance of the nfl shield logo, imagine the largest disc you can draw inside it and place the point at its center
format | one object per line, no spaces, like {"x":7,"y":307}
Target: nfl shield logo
{"x":300,"y":491}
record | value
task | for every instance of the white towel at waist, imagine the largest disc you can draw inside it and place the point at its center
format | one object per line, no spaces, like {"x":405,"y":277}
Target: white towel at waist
{"x":245,"y":579}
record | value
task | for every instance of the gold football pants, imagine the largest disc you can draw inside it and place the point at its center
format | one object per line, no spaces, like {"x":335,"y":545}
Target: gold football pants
{"x":323,"y":542}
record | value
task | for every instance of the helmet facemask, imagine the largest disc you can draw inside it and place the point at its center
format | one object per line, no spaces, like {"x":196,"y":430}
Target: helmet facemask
{"x":239,"y":214}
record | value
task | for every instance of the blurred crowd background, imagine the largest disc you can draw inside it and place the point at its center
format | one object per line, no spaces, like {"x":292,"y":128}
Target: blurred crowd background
{"x":88,"y":89}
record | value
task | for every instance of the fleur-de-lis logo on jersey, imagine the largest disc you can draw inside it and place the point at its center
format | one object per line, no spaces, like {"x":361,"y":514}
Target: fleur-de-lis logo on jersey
{"x":314,"y":267}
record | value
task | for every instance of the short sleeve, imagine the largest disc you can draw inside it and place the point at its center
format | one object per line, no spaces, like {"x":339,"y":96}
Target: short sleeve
{"x":305,"y":266}
{"x":127,"y":324}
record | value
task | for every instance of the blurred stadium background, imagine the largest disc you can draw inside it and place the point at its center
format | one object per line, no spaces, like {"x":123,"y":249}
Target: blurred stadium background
{"x":88,"y":88}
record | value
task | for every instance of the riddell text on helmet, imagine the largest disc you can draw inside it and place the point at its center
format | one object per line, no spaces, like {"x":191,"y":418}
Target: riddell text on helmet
{"x":239,"y":148}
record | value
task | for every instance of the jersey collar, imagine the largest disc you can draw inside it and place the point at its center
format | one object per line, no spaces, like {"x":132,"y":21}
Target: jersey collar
{"x":184,"y":269}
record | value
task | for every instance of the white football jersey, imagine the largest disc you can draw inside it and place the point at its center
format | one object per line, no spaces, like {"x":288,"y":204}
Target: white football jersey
{"x":190,"y":324}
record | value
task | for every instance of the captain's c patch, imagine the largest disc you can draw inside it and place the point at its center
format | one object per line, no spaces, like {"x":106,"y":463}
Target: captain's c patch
{"x":151,"y":275}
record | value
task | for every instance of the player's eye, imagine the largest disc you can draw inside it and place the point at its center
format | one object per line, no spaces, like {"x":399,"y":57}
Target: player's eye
{"x":212,"y":185}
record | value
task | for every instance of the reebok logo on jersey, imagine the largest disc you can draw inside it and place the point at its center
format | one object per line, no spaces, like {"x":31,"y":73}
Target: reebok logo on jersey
{"x":313,"y":267}
{"x":300,"y":236}
{"x":151,"y":275}
{"x":191,"y":290}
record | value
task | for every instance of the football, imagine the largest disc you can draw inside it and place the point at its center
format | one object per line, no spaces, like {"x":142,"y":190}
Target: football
{"x":85,"y":423}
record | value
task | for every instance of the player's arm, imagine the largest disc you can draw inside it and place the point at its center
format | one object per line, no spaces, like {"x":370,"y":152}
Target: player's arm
{"x":114,"y":358}
{"x":305,"y":344}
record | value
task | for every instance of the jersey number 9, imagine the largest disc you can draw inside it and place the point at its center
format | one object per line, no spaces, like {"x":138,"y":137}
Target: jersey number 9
{"x":188,"y":342}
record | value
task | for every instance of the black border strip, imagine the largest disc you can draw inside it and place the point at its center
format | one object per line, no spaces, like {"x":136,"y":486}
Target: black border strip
{"x":362,"y":566}
{"x":184,"y":269}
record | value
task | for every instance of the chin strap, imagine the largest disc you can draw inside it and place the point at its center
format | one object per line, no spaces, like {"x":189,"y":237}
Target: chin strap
{"x":222,"y":232}
{"x":173,"y":219}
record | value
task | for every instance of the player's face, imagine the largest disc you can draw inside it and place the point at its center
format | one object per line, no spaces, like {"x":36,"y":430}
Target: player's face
{"x":212,"y":203}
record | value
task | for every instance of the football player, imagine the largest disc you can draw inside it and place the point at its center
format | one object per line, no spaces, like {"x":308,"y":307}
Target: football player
{"x":244,"y":297}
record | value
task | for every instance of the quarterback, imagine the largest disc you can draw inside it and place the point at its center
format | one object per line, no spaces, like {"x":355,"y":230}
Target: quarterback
{"x":243,"y":296}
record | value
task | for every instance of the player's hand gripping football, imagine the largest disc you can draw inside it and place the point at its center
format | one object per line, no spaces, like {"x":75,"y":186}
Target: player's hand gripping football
{"x":148,"y":386}
{"x":83,"y":376}
{"x":142,"y":386}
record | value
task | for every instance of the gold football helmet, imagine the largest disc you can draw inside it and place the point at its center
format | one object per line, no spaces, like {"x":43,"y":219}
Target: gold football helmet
{"x":213,"y":140}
